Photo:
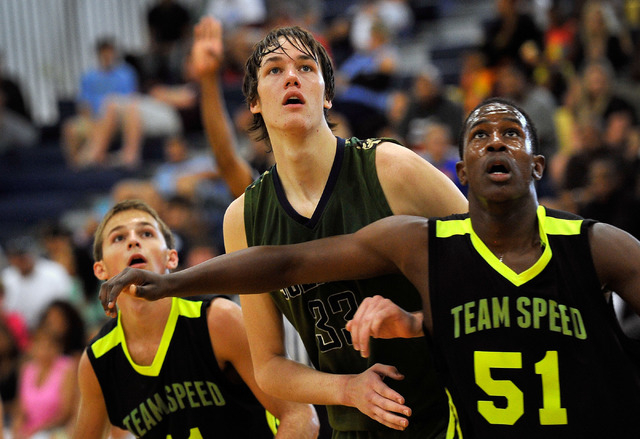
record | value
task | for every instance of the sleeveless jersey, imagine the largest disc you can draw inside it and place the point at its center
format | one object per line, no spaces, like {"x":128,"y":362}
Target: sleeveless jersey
{"x":352,"y":198}
{"x":532,"y":355}
{"x":183,"y":394}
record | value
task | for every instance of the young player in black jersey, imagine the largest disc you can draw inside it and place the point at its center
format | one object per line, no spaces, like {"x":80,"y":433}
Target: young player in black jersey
{"x":514,"y":294}
{"x":172,"y":368}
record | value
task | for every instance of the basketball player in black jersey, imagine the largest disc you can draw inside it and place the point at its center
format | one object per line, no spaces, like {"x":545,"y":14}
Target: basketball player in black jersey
{"x":172,"y":368}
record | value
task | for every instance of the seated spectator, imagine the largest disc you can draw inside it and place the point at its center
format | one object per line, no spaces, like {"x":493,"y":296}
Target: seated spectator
{"x":168,"y":23}
{"x":437,"y":146}
{"x":364,"y":82}
{"x":607,"y":198}
{"x":428,"y":102}
{"x":63,"y":319}
{"x":112,"y":77}
{"x":476,"y":80}
{"x":46,"y":390}
{"x":183,"y":172}
{"x":507,"y":32}
{"x":31,"y":281}
{"x":165,"y":110}
{"x":596,"y":39}
{"x":14,"y":99}
{"x":15,"y":131}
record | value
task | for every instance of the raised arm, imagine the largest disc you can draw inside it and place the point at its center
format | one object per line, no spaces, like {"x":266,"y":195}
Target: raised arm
{"x":207,"y":58}
{"x":616,"y":255}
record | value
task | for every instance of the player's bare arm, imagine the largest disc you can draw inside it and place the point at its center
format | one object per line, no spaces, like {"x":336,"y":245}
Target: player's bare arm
{"x":229,"y":341}
{"x":92,"y":421}
{"x":616,"y":255}
{"x":413,"y":186}
{"x":206,"y":57}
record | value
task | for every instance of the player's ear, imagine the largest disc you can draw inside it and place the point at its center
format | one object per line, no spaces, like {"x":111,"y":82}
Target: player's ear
{"x":100,"y":271}
{"x":462,"y":172}
{"x":327,"y":103}
{"x":254,"y":106}
{"x":538,"y":167}
{"x":172,"y":259}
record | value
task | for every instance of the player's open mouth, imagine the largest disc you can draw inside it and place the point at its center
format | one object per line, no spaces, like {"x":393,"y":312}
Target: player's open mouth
{"x":498,"y":171}
{"x":293,"y":99}
{"x":137,"y":260}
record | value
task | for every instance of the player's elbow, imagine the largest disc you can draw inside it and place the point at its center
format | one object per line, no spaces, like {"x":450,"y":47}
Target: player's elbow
{"x":300,"y":421}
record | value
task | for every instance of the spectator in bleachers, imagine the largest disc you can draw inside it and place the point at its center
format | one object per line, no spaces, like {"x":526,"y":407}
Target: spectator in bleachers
{"x":364,"y":82}
{"x":16,"y":127}
{"x":476,"y":79}
{"x":601,"y":35}
{"x":47,"y":387}
{"x":168,"y":22}
{"x":32,"y":281}
{"x":14,"y":98}
{"x":428,"y":102}
{"x":607,"y":197}
{"x":505,"y":35}
{"x":598,"y":97}
{"x":111,"y":77}
{"x":438,"y":147}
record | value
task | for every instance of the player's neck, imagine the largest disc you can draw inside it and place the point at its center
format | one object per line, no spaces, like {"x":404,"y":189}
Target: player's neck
{"x":304,"y":167}
{"x":143,"y":320}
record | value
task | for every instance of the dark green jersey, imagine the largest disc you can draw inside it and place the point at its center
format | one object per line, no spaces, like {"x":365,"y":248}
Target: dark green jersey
{"x":537,"y":354}
{"x":183,"y":394}
{"x":352,"y":199}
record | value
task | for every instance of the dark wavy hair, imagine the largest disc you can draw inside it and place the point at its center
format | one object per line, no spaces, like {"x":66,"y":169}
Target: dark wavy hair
{"x":74,"y":339}
{"x":302,"y":40}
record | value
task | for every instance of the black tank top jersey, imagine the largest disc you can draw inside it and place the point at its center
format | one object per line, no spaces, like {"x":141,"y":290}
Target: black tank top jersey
{"x":352,"y":199}
{"x":183,"y":394}
{"x":532,"y":355}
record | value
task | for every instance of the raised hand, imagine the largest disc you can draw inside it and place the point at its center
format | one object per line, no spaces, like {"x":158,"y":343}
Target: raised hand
{"x":368,"y":393}
{"x":207,"y":50}
{"x":140,"y":283}
{"x":379,"y":317}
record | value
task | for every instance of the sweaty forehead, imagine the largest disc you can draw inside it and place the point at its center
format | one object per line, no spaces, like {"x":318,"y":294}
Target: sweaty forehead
{"x":290,"y":47}
{"x":496,"y":109}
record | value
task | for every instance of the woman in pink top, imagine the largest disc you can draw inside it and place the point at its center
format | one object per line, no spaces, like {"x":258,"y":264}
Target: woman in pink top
{"x":46,"y":388}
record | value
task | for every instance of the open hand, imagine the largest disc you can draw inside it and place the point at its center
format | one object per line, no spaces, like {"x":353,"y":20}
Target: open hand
{"x":207,"y":50}
{"x":369,"y":394}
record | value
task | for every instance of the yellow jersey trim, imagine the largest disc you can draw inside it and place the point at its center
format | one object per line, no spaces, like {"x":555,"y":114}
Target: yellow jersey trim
{"x":179,"y":307}
{"x":546,"y":225}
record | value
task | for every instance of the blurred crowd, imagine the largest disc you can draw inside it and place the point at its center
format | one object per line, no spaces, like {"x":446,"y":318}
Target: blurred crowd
{"x":574,"y":66}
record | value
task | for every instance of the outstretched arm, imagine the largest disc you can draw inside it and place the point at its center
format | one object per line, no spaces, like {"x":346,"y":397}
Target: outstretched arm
{"x":206,"y":59}
{"x":366,"y":253}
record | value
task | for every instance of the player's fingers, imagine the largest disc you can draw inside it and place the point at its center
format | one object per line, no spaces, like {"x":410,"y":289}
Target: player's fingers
{"x":389,"y":413}
{"x":359,"y":329}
